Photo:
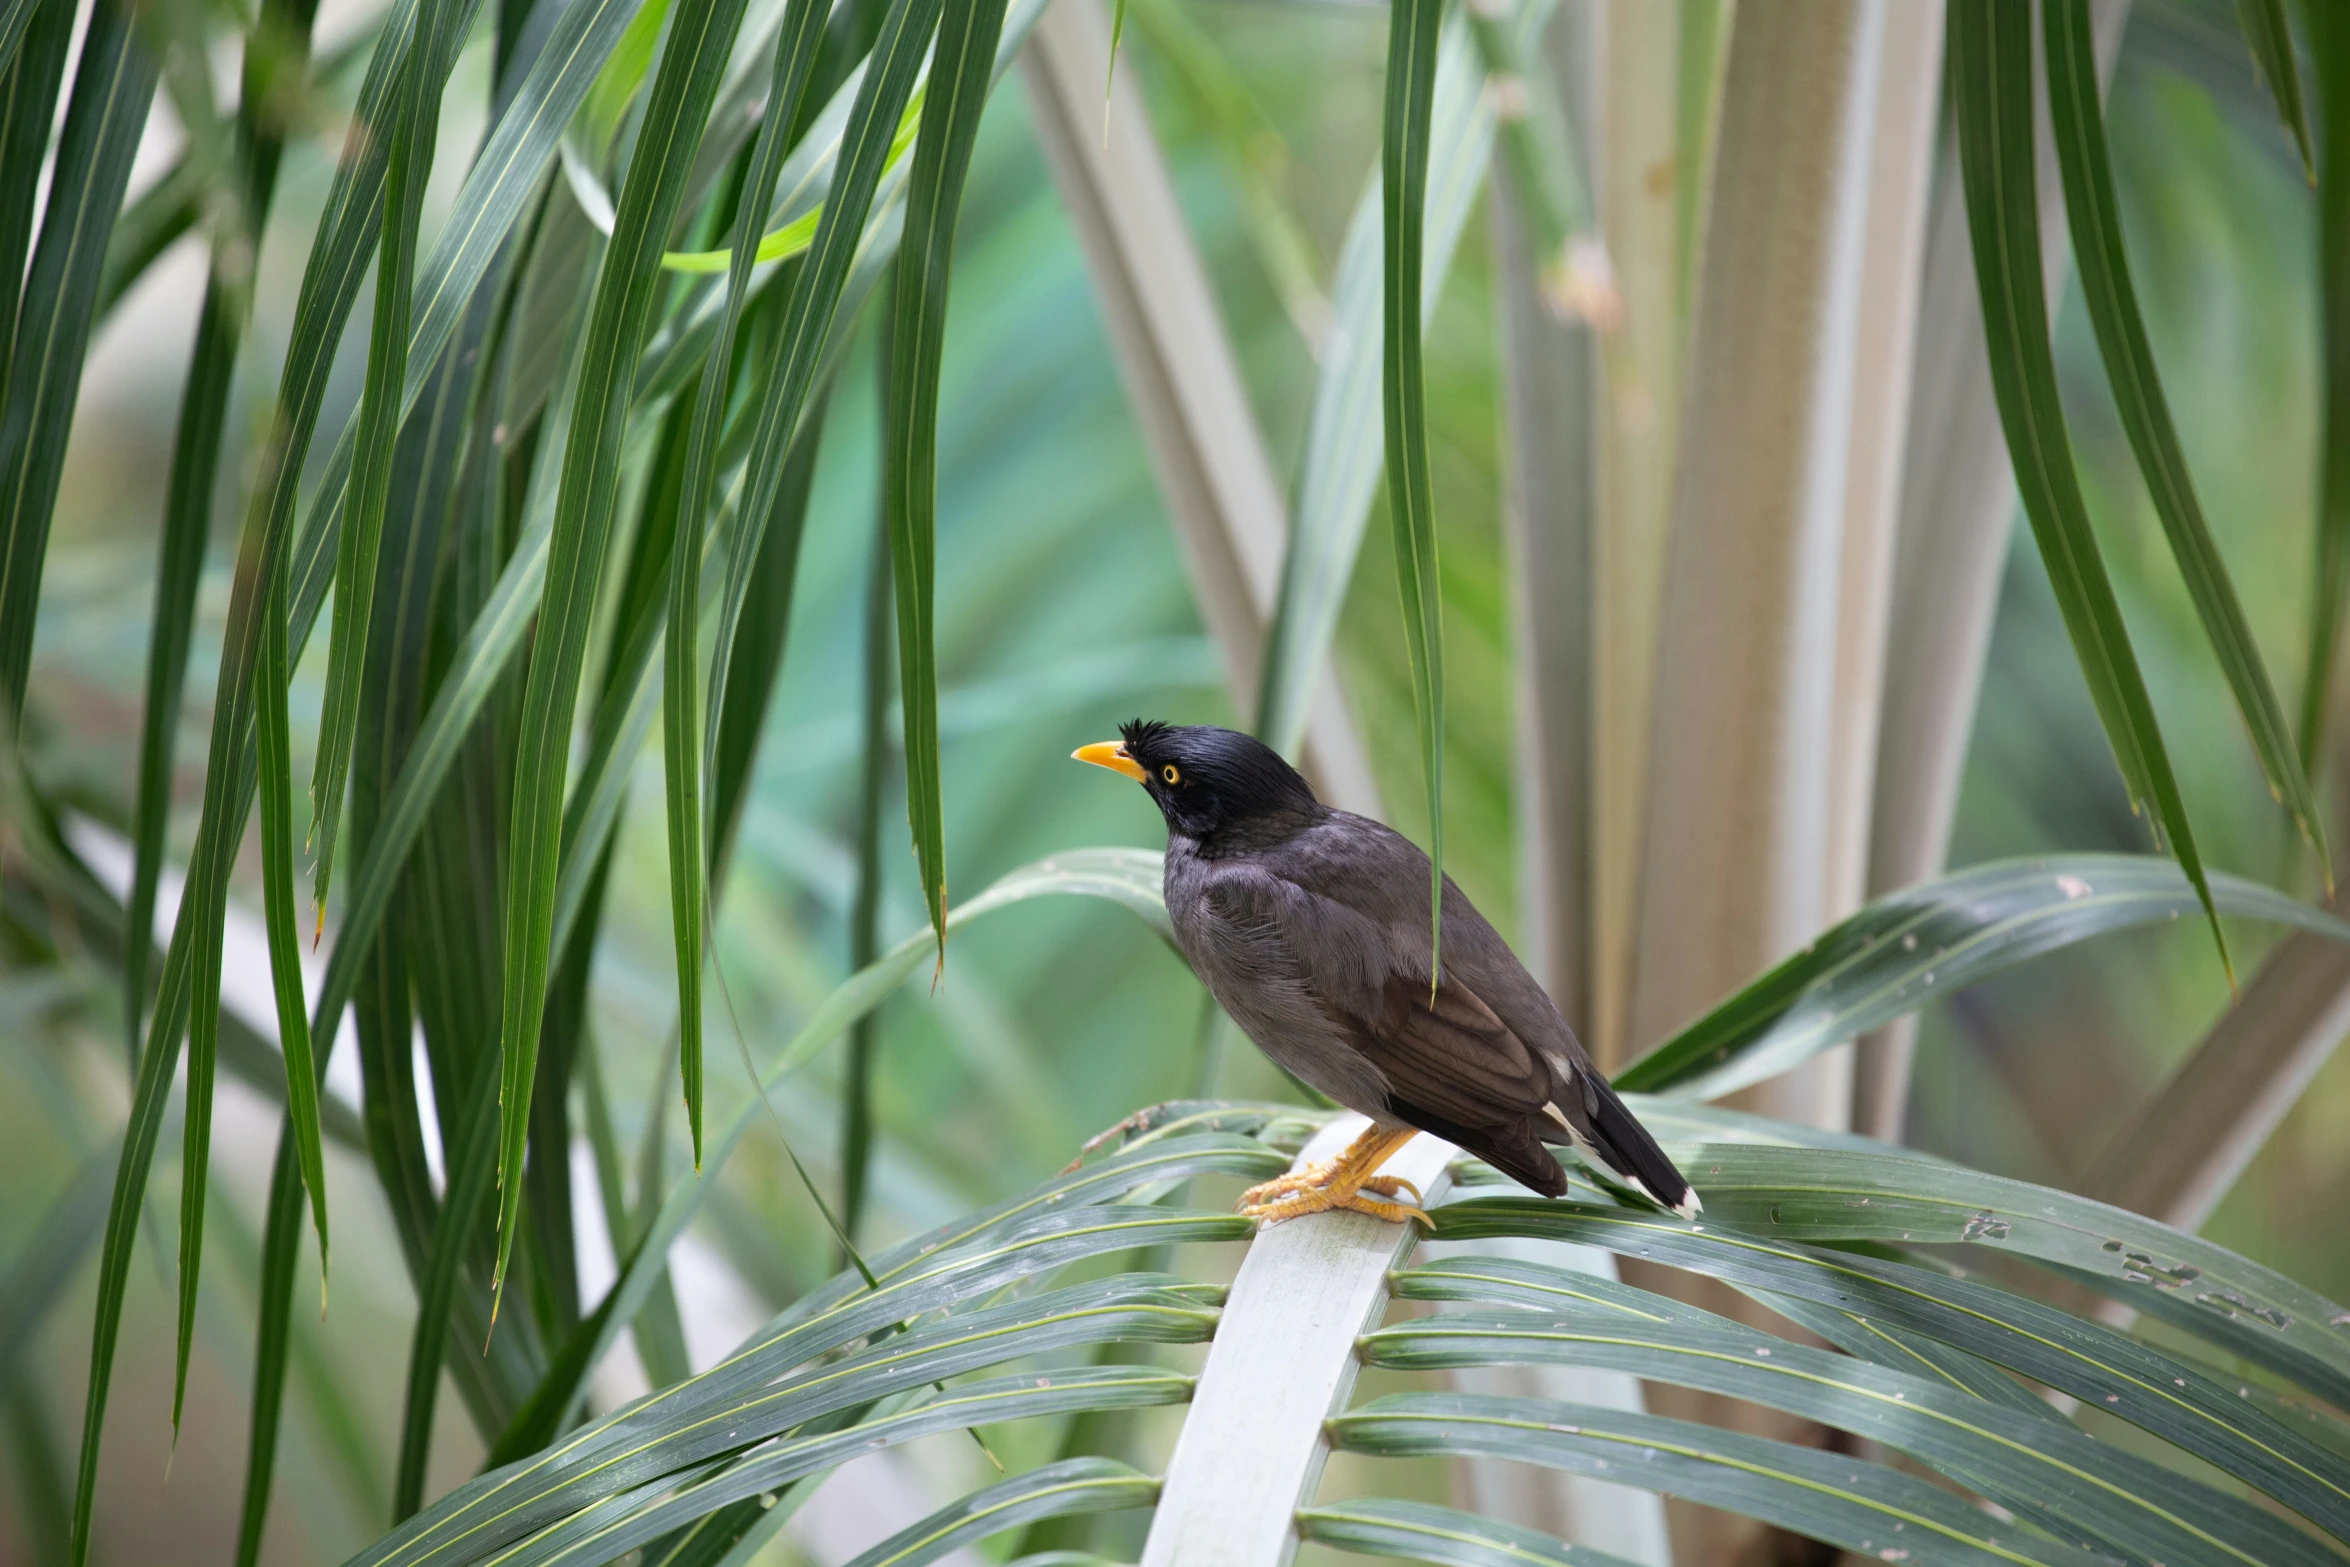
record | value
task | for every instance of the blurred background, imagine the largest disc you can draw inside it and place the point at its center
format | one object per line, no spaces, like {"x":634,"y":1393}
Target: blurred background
{"x":1065,"y":608}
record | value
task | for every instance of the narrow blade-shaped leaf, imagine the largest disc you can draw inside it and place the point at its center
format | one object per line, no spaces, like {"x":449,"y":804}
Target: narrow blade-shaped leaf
{"x":471,"y":1167}
{"x":681,"y":726}
{"x":2095,"y":216}
{"x":411,"y":133}
{"x":962,"y":67}
{"x":281,"y":1239}
{"x":2271,"y":40}
{"x":188,"y":993}
{"x":701,"y":35}
{"x":1411,"y":504}
{"x":285,"y":941}
{"x":1991,"y":89}
{"x":195,"y":461}
{"x":2329,"y":35}
{"x":113,"y":83}
{"x":882,"y":95}
{"x":1343,"y":439}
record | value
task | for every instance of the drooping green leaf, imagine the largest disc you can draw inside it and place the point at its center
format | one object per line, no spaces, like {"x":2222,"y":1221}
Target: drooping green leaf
{"x":1124,"y":876}
{"x":411,"y":133}
{"x":472,"y":1163}
{"x":2271,"y":40}
{"x":196,"y":451}
{"x":272,"y":676}
{"x":1411,"y":505}
{"x":962,"y":68}
{"x":1862,"y":1507}
{"x":1342,"y":457}
{"x":113,"y":83}
{"x":28,"y":107}
{"x":1930,"y":940}
{"x":1991,"y":90}
{"x":272,"y":1339}
{"x":2095,"y":215}
{"x":187,"y":996}
{"x":881,"y":99}
{"x":681,"y":715}
{"x":2329,"y":36}
{"x":15,"y":16}
{"x":693,"y":62}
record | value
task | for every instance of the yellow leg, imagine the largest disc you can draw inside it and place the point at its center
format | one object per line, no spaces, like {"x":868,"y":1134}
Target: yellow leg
{"x":1341,"y":1183}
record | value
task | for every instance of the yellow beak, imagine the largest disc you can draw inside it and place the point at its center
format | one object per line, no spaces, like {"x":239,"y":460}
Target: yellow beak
{"x":1111,"y":754}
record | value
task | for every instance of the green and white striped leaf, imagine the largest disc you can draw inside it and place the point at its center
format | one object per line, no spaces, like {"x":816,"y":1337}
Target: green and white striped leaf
{"x":1923,"y":942}
{"x":2101,"y":1496}
{"x":748,"y":1397}
{"x":1074,"y":1485}
{"x":1862,"y":1507}
{"x":769,"y":1469}
{"x":1423,"y":1532}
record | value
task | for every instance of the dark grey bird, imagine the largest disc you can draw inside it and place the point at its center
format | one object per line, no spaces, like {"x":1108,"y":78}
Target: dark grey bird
{"x":1310,"y":927}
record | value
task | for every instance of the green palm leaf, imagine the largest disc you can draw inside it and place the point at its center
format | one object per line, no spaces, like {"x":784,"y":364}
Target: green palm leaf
{"x":2137,"y":390}
{"x":196,"y":450}
{"x":1931,"y":940}
{"x":1991,"y":86}
{"x":2090,"y":1492}
{"x":962,"y":70}
{"x":2271,"y":39}
{"x":411,"y":132}
{"x":1420,"y":1532}
{"x":114,"y":79}
{"x":681,"y":726}
{"x":1860,"y":1506}
{"x":1411,"y":506}
{"x":2329,"y":35}
{"x":700,"y":38}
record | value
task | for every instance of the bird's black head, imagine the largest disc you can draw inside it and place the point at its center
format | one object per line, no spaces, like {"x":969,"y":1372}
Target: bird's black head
{"x":1204,"y":779}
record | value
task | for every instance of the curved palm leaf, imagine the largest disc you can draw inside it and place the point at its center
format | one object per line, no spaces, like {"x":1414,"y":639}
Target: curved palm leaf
{"x":1911,"y":946}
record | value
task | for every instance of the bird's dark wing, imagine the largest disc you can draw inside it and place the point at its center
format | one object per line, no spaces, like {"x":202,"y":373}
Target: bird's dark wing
{"x":1450,"y":1065}
{"x":1455,"y":1069}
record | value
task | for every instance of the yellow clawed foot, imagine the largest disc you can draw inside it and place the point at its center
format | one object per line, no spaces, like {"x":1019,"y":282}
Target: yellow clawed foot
{"x":1324,"y":1199}
{"x":1345,"y":1182}
{"x":1315,"y":1174}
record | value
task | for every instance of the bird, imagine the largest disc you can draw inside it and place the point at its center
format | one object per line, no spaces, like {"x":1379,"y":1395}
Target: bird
{"x":1310,"y":927}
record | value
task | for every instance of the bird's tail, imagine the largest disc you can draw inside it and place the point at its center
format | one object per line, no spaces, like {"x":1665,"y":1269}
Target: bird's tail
{"x":1624,"y":1143}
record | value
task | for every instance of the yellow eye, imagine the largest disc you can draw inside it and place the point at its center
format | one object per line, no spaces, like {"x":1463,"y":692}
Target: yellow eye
{"x":1170,"y":774}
